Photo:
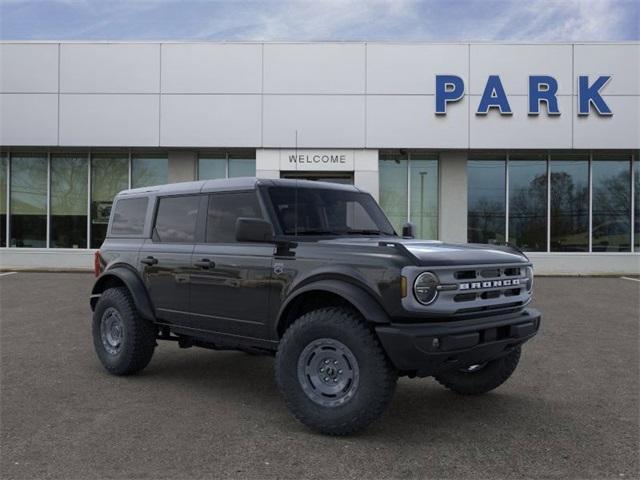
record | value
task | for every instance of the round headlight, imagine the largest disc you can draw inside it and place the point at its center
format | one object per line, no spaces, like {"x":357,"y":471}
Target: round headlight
{"x":425,"y":288}
{"x":529,"y":273}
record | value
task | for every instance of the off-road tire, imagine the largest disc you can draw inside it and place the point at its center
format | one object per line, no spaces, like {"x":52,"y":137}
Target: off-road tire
{"x":138,"y":335}
{"x":489,"y":377}
{"x":377,"y":377}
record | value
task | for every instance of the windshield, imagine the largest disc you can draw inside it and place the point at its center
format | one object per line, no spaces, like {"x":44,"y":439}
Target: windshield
{"x":321,"y":211}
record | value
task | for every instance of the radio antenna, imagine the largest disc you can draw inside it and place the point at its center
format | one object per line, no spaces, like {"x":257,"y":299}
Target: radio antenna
{"x":295,"y":201}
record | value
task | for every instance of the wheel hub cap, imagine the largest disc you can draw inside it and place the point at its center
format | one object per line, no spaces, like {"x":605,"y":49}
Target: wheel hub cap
{"x":328,"y":372}
{"x":111,"y":330}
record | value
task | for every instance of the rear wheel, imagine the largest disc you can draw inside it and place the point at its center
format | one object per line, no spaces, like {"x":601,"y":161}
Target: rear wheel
{"x":332,"y":372}
{"x":124,"y":341}
{"x":481,"y":378}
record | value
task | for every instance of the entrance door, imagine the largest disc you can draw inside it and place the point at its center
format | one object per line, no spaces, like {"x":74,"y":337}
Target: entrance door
{"x":332,"y":177}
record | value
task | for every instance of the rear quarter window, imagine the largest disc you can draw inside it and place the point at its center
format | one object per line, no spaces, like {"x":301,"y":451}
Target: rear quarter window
{"x":128,"y":216}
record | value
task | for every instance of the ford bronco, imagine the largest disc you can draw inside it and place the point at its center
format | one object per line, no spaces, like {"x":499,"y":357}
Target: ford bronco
{"x":314,"y":274}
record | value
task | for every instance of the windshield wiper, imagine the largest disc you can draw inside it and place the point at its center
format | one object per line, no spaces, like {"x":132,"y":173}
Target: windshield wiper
{"x":364,"y":232}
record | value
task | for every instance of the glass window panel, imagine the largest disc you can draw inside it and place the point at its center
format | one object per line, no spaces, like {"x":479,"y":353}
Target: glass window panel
{"x":109,"y":175}
{"x":149,"y":170}
{"x":636,"y":189}
{"x":424,"y":195}
{"x":224,"y":209}
{"x":176,"y":219}
{"x":68,"y":201}
{"x":569,"y":203}
{"x":4,"y":161}
{"x":486,"y":201}
{"x":210,"y":168}
{"x":129,"y":216}
{"x":611,"y":213}
{"x":393,"y":187}
{"x":28,"y":222}
{"x":241,"y":166}
{"x":528,"y":202}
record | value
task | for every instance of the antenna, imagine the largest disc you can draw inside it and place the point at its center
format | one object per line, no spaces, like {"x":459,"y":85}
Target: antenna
{"x":295,"y":201}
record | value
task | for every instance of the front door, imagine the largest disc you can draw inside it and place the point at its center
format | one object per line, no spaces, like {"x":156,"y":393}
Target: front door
{"x":230,"y":288}
{"x":166,"y":257}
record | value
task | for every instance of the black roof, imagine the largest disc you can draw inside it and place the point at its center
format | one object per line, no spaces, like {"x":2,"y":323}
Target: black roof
{"x":230,"y":184}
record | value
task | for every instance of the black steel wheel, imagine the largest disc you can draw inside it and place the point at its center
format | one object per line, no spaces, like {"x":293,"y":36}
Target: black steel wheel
{"x":333,"y":373}
{"x":123,"y":341}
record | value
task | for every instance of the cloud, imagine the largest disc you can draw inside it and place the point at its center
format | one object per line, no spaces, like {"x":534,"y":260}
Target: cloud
{"x":331,"y":20}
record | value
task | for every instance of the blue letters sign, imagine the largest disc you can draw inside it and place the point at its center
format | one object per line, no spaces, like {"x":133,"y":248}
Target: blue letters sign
{"x":542,"y":89}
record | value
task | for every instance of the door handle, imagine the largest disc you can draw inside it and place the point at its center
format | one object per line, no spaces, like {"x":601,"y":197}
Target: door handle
{"x":149,"y":261}
{"x":204,"y":263}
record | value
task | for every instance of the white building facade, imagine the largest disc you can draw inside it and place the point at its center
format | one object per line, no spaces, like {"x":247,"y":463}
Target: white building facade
{"x":534,"y":144}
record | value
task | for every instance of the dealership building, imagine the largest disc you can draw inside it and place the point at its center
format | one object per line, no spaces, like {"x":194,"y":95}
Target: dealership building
{"x":532,"y":144}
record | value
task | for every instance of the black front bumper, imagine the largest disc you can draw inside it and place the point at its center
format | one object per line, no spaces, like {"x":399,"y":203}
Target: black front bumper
{"x":429,"y":348}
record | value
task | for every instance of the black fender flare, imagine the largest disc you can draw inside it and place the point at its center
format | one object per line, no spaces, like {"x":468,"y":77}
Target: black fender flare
{"x":363,"y":301}
{"x":135,"y":285}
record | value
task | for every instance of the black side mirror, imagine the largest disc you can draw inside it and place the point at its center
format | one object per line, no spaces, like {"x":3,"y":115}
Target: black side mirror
{"x":408,"y":230}
{"x":254,"y":230}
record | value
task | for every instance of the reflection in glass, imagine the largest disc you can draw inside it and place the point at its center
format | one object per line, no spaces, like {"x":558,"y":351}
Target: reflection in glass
{"x":69,"y":201}
{"x":528,"y":202}
{"x":611,"y":181}
{"x":393,"y":187}
{"x":424,"y":196}
{"x":109,"y":175}
{"x":569,"y":203}
{"x":486,"y":201}
{"x":28,"y":222}
{"x":3,"y":199}
{"x":212,"y":167}
{"x":149,"y":170}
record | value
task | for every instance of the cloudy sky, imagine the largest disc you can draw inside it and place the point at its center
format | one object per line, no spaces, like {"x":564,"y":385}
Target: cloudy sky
{"x":427,"y":20}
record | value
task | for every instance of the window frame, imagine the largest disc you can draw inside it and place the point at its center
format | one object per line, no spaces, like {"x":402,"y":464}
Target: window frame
{"x":117,"y":200}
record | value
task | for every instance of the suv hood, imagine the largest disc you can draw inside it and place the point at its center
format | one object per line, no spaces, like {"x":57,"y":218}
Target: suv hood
{"x":435,"y":253}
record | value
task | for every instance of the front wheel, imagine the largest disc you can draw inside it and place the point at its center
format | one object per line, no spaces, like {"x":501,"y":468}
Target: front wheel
{"x":332,"y":372}
{"x":481,"y":378}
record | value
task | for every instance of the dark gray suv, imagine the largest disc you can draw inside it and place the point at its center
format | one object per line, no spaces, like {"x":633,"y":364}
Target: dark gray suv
{"x":314,"y":274}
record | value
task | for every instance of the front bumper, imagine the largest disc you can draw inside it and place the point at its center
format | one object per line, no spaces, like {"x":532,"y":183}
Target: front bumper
{"x":429,"y":348}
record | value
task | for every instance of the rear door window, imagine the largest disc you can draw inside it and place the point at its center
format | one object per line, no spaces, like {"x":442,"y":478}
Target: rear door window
{"x":224,"y":210}
{"x":176,"y":219}
{"x":128,"y":216}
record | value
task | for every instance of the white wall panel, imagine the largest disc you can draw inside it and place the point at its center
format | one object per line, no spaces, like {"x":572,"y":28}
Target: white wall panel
{"x":28,"y":68}
{"x":412,"y":69}
{"x":409,"y":121}
{"x":521,"y":130}
{"x":620,"y":61}
{"x":314,"y":68}
{"x":321,"y":121}
{"x":621,"y":130}
{"x":109,"y":120}
{"x":210,"y":120}
{"x":110,"y":68}
{"x":211,"y":68}
{"x":28,"y":119}
{"x":514,"y":64}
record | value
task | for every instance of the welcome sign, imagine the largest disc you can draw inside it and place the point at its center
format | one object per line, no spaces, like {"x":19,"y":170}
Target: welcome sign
{"x":317,"y":160}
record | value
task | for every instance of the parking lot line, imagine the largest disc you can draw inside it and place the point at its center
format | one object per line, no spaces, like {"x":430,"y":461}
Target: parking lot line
{"x":632,"y":279}
{"x":7,"y":273}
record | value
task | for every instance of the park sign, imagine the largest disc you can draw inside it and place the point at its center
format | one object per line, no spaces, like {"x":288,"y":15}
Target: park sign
{"x":542,"y":89}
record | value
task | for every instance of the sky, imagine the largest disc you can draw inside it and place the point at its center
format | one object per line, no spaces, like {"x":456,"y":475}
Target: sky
{"x":321,"y":20}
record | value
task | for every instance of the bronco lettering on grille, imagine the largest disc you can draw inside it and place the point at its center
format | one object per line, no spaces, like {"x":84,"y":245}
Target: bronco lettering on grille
{"x":489,"y":284}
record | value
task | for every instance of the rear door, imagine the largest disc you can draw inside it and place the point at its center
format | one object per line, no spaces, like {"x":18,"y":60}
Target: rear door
{"x":230,"y":287}
{"x":166,"y":257}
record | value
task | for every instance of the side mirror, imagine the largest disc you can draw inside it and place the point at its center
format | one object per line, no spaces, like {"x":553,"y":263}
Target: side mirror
{"x":254,"y":230}
{"x":408,"y":230}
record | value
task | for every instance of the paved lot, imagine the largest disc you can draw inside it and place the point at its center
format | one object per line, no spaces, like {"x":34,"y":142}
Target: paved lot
{"x":570,"y":411}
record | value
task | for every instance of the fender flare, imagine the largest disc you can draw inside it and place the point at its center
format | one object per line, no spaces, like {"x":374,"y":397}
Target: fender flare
{"x":363,"y":301}
{"x":135,"y":285}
